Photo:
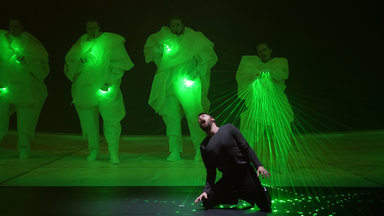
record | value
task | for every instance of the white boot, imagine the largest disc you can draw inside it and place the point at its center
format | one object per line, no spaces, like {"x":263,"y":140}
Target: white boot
{"x":114,"y":158}
{"x":174,"y":156}
{"x":92,"y":156}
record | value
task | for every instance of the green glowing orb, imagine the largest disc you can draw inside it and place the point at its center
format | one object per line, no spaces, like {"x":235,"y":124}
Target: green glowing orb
{"x":167,"y":48}
{"x":170,"y":47}
{"x":4,"y":90}
{"x":188,"y":83}
{"x":103,"y":91}
{"x":18,"y":61}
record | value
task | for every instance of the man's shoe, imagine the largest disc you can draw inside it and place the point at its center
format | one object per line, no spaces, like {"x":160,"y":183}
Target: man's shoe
{"x":23,"y":154}
{"x":92,"y":156}
{"x":174,"y":156}
{"x":197,"y":157}
{"x":114,"y":159}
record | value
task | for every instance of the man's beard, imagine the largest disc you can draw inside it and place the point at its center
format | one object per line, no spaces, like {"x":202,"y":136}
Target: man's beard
{"x":177,"y":33}
{"x":207,"y":127}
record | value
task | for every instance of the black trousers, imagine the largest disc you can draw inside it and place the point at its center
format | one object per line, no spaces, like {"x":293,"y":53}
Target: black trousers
{"x":240,"y":183}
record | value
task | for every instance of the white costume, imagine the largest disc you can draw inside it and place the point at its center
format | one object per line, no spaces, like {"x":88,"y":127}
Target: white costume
{"x":181,"y":82}
{"x":268,"y":112}
{"x":23,"y":68}
{"x":90,"y":65}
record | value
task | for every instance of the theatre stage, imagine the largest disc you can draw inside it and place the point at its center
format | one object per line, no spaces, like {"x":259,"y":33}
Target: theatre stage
{"x":57,"y":180}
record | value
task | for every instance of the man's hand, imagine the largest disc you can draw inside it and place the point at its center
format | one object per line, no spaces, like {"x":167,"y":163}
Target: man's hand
{"x":159,"y":49}
{"x":83,"y":60}
{"x":199,"y":198}
{"x":193,"y":75}
{"x":197,"y":59}
{"x":105,"y":87}
{"x":264,"y":173}
{"x":19,"y":58}
{"x":75,"y":77}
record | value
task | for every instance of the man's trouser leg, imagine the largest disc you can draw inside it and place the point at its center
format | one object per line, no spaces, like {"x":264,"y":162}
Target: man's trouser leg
{"x":245,"y":128}
{"x":172,"y":120}
{"x":27,"y":118}
{"x":4,"y":119}
{"x":222,"y":193}
{"x":197,"y":135}
{"x":89,"y":121}
{"x":190,"y":100}
{"x":112,"y":113}
{"x":253,"y":191}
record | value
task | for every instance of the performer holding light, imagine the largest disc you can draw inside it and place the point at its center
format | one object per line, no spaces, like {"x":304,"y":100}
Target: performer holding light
{"x":23,"y":68}
{"x":95,"y":65}
{"x":184,"y":58}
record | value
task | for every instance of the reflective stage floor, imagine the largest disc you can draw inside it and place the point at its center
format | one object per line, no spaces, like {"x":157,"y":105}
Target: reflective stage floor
{"x":56,"y":179}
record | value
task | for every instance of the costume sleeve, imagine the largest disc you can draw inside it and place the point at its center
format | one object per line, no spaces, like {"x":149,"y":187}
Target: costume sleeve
{"x":245,"y":149}
{"x":247,"y":70}
{"x":2,"y":55}
{"x":279,"y":69}
{"x":153,"y":50}
{"x":246,"y":74}
{"x":211,"y":172}
{"x":36,"y":57}
{"x":72,"y":61}
{"x":206,"y":56}
{"x":120,"y":62}
{"x":205,"y":60}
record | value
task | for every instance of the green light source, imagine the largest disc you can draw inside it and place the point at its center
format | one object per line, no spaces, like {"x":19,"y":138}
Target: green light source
{"x":19,"y":60}
{"x":170,"y":47}
{"x":167,"y":48}
{"x":104,"y":91}
{"x":188,"y":83}
{"x":92,"y":54}
{"x":17,"y":57}
{"x":4,"y":90}
{"x":17,"y":53}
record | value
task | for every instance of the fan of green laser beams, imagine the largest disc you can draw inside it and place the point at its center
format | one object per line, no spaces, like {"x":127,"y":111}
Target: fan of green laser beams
{"x":280,"y":144}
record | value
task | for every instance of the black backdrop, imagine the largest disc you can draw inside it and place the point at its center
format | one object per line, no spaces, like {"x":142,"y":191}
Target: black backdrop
{"x":334,"y":50}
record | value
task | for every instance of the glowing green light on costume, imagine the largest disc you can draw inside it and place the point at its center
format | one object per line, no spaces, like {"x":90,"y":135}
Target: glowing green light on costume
{"x":18,"y":61}
{"x":269,"y":129}
{"x":170,"y":47}
{"x":4,"y":90}
{"x":17,"y":53}
{"x":17,"y":57}
{"x":188,"y":83}
{"x":103,"y":91}
{"x":167,"y":48}
{"x":188,"y":90}
{"x":92,"y":54}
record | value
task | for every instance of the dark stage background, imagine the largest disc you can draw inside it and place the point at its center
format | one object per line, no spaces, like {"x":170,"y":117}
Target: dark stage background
{"x":334,"y":49}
